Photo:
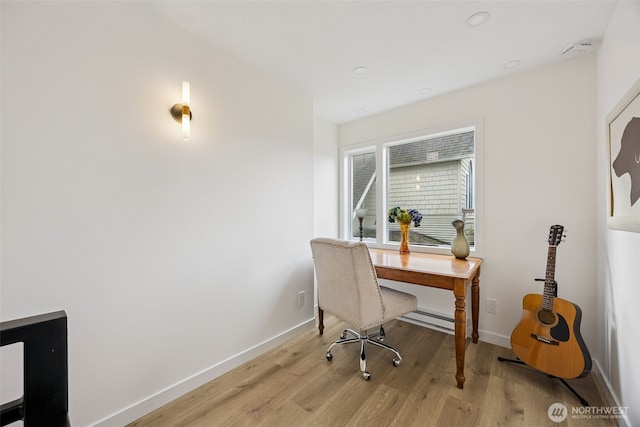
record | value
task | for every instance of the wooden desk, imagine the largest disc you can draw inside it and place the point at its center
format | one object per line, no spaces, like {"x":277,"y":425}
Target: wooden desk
{"x":436,"y":271}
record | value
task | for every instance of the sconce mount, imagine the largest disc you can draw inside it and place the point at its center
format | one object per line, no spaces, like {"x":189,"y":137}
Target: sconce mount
{"x":177,"y":111}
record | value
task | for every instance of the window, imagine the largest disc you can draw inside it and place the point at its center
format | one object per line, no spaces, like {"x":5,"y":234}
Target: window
{"x":433,"y":172}
{"x":363,"y":192}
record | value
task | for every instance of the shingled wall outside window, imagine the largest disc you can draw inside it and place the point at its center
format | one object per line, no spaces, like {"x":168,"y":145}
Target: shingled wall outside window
{"x":431,"y":175}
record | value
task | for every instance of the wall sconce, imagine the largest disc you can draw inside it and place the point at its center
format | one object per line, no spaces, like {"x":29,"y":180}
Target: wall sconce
{"x":181,"y":113}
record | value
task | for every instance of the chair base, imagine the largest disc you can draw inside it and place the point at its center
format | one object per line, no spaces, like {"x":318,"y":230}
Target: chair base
{"x":363,"y":338}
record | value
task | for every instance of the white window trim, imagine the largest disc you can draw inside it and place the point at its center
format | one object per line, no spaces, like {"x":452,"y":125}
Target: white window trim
{"x":379,"y":146}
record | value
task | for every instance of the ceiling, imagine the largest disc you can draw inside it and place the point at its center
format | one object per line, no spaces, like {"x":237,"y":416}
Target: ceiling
{"x":412,"y":50}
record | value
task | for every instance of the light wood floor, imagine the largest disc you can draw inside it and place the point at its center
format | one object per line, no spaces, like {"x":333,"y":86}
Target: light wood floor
{"x":294,"y":385}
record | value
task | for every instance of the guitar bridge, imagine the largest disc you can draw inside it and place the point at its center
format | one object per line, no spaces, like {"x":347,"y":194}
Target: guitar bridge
{"x":545,"y":340}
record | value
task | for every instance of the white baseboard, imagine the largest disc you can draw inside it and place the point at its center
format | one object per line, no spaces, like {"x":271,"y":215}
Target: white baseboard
{"x":604,"y":383}
{"x":161,"y":398}
{"x":493,"y":338}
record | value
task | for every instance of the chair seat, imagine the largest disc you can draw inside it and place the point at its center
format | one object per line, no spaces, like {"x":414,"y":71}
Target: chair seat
{"x":396,"y":303}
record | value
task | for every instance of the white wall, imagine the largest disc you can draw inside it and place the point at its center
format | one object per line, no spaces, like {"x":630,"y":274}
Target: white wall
{"x":538,"y":140}
{"x":618,"y":251}
{"x":170,"y":258}
{"x":326,"y":176}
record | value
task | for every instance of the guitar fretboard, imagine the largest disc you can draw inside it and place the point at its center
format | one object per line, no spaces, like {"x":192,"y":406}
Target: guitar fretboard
{"x":549,"y":294}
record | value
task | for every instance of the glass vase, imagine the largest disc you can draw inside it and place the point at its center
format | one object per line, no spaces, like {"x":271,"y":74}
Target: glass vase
{"x":459,"y":246}
{"x":404,"y":237}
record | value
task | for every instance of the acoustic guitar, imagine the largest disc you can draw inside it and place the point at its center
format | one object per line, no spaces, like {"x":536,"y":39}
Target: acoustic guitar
{"x":548,"y":334}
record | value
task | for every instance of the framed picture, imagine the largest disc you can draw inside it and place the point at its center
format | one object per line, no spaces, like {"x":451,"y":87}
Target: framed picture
{"x":623,"y":134}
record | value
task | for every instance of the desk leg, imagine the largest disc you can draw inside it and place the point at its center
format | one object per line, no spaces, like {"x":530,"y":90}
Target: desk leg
{"x":320,"y":320}
{"x":460,"y":292}
{"x":475,"y":305}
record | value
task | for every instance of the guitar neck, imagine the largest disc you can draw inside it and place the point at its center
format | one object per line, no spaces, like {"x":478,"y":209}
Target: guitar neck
{"x":549,"y":280}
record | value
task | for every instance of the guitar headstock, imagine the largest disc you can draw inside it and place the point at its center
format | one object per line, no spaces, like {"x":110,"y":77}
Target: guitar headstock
{"x":556,"y":235}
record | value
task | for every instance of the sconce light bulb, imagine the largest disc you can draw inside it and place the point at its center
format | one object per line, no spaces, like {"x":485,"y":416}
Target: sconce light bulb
{"x":186,"y":110}
{"x":181,"y":113}
{"x":186,"y":93}
{"x":186,"y":124}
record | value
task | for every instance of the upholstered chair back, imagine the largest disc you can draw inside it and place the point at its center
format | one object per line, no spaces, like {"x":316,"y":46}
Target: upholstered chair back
{"x":347,"y":284}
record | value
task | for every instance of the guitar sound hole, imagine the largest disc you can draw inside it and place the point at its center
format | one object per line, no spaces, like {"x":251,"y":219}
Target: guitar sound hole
{"x":547,"y":317}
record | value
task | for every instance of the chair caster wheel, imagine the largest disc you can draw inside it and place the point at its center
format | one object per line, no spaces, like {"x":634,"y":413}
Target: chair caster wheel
{"x":366,"y":375}
{"x":329,"y":357}
{"x":396,"y":362}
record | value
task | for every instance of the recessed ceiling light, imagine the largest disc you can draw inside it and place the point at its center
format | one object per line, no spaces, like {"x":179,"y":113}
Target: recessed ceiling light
{"x":425,"y":90}
{"x":360,"y":70}
{"x":361,"y":110}
{"x":511,"y":64}
{"x":477,"y":19}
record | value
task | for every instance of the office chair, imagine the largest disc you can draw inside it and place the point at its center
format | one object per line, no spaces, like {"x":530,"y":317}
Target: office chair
{"x":348,"y":288}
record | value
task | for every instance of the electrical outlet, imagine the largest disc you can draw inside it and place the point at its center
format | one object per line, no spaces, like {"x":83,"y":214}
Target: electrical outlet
{"x":300,"y":298}
{"x":492,"y":306}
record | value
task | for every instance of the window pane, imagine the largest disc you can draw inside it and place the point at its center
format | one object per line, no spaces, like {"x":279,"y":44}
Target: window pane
{"x":436,"y":177}
{"x":363,"y":193}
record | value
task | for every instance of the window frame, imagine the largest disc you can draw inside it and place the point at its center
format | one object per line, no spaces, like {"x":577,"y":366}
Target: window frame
{"x":380,"y":147}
